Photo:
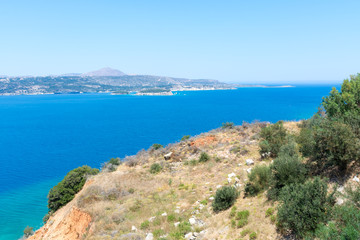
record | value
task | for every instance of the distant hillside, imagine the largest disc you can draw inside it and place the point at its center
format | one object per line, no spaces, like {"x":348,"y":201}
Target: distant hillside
{"x":102,"y":80}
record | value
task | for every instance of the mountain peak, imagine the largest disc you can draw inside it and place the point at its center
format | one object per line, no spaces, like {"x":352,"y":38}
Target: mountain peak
{"x":104,"y":72}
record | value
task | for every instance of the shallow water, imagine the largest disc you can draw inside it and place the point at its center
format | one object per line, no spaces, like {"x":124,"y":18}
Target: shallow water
{"x":43,"y":137}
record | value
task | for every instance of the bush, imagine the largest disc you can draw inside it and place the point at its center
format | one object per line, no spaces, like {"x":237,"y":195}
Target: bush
{"x":242,"y":215}
{"x":259,"y":179}
{"x":66,"y":189}
{"x":343,"y":225}
{"x":269,"y":212}
{"x":336,"y":145}
{"x":157,"y":146}
{"x":286,"y":169}
{"x":229,"y":125}
{"x":28,"y":231}
{"x":353,"y":194}
{"x":303,"y":206}
{"x":155,"y":168}
{"x":224,"y":198}
{"x":306,"y":142}
{"x":253,"y":236}
{"x":46,"y":218}
{"x":204,"y":157}
{"x":115,"y":161}
{"x":274,"y":136}
{"x":186,"y":137}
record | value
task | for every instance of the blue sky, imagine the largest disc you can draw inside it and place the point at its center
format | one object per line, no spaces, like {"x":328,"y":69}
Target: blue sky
{"x":232,"y":41}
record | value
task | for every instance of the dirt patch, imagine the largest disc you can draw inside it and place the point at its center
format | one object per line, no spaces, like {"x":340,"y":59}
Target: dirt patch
{"x":72,"y":227}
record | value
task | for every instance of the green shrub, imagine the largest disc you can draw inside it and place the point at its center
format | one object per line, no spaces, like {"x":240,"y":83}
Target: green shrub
{"x":229,"y":125}
{"x":344,"y":224}
{"x":224,"y":198}
{"x":353,"y":194}
{"x":259,"y":179}
{"x":233,"y":211}
{"x":253,"y":236}
{"x":157,"y":146}
{"x":242,"y":215}
{"x":46,"y":218}
{"x":155,"y":168}
{"x":145,"y":225}
{"x":115,"y":161}
{"x":28,"y":231}
{"x":273,"y":137}
{"x":303,"y":206}
{"x":186,"y":137}
{"x":269,"y":212}
{"x":204,"y":157}
{"x":286,"y":169}
{"x":242,"y":222}
{"x":306,"y":142}
{"x":66,"y":189}
{"x":273,"y":218}
{"x":336,"y":145}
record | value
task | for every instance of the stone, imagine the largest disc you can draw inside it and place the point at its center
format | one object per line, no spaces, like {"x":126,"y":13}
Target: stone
{"x":133,"y":228}
{"x":229,"y":180}
{"x":176,"y":224}
{"x":218,"y":186}
{"x":177,"y":211}
{"x":192,"y":221}
{"x":249,"y":162}
{"x":149,"y":236}
{"x":164,"y":214}
{"x":211,"y":198}
{"x":248,"y":170}
{"x":168,"y":155}
{"x":152,"y":219}
{"x":231,"y":175}
{"x":189,"y":236}
{"x":356,"y":179}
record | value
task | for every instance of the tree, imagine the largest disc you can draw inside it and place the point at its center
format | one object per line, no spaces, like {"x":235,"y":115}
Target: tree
{"x":66,"y":189}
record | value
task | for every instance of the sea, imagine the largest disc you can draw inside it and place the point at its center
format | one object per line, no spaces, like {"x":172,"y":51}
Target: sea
{"x":42,"y":137}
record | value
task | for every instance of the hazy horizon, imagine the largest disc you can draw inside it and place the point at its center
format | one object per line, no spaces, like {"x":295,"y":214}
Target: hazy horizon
{"x":257,"y":42}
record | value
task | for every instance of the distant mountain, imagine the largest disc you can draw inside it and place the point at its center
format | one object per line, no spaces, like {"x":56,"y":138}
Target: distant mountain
{"x":104,"y":72}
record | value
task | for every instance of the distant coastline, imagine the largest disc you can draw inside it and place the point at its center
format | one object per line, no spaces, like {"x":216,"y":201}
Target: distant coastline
{"x":140,"y":93}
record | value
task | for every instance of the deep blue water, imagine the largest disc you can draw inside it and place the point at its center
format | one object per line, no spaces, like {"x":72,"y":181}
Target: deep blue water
{"x":43,"y":137}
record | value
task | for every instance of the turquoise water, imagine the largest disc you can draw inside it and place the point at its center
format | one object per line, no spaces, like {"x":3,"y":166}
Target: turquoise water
{"x":43,"y":137}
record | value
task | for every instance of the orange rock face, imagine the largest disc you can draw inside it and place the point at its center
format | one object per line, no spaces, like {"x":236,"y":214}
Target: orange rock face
{"x":64,"y":225}
{"x":202,"y":141}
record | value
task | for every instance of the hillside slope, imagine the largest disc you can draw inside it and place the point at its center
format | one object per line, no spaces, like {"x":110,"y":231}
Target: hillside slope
{"x":132,"y":203}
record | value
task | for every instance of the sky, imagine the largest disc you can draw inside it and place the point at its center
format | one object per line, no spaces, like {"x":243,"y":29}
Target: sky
{"x":232,"y":41}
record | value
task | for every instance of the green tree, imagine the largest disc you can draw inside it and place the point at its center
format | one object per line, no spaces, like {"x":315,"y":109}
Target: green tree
{"x":66,"y":189}
{"x":335,"y":144}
